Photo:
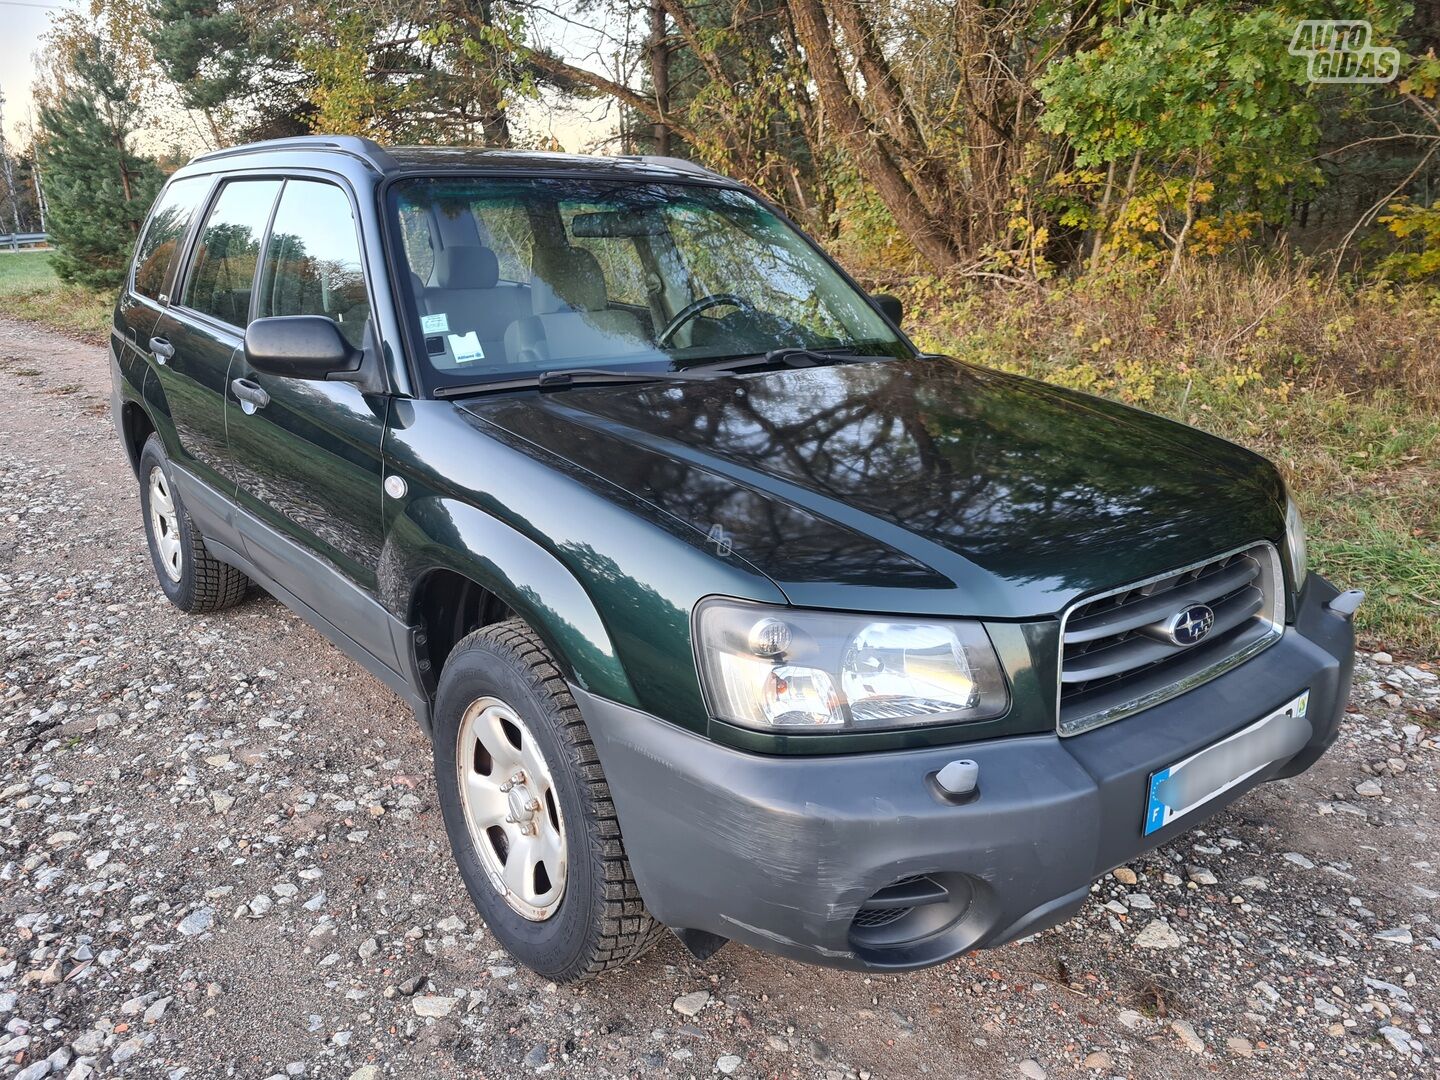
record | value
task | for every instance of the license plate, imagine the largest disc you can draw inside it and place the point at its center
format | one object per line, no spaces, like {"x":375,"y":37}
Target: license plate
{"x":1193,"y":781}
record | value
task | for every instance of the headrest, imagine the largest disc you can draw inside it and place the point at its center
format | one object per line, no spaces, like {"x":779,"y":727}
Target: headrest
{"x":467,"y":267}
{"x":567,"y":279}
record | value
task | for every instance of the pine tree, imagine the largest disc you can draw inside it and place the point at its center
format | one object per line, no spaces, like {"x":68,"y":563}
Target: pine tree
{"x":97,"y":188}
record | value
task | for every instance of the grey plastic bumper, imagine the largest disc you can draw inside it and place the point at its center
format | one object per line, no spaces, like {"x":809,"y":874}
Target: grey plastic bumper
{"x":780,"y":852}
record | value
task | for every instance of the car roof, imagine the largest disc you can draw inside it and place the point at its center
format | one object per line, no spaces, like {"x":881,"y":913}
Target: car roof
{"x":441,"y":159}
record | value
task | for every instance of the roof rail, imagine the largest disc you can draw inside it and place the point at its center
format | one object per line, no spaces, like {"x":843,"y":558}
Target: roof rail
{"x":367,"y":150}
{"x":678,"y":164}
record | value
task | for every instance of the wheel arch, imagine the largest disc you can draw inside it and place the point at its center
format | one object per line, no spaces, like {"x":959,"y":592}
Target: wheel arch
{"x":464,"y":570}
{"x":135,"y":427}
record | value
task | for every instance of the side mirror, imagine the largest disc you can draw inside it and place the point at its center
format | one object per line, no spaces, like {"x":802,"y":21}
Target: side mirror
{"x":301,"y":347}
{"x":890,"y":306}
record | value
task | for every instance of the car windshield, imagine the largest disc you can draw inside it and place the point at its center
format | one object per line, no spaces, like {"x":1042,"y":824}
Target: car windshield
{"x":512,"y":278}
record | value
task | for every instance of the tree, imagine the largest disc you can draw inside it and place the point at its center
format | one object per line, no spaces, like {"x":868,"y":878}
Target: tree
{"x":11,"y":194}
{"x":1196,"y":108}
{"x":97,"y":187}
{"x":234,"y":62}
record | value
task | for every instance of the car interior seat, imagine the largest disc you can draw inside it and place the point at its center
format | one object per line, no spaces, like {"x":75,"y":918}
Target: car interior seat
{"x":572,"y":320}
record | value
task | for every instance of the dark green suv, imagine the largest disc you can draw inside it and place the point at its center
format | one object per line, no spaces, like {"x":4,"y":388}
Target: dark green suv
{"x":726,"y":609}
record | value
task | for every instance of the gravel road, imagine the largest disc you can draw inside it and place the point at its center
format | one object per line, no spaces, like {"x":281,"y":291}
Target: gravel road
{"x":221,"y":855}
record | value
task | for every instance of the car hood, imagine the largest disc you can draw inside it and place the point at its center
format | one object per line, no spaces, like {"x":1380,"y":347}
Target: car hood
{"x":923,"y":486}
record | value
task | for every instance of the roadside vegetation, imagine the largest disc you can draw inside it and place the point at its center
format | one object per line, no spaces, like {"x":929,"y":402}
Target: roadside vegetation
{"x":30,"y":289}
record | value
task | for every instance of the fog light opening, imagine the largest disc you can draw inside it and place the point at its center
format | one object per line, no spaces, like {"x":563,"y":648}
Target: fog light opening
{"x":911,"y":910}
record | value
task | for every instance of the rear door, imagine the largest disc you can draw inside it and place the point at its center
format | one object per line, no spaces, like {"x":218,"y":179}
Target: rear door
{"x":307,"y":460}
{"x":198,"y":335}
{"x":156,"y":261}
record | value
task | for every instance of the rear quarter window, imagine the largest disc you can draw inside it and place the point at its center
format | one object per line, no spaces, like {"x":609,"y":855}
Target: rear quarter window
{"x":165,"y":232}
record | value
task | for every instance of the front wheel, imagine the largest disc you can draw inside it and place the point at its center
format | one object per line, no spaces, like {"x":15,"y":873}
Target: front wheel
{"x":528,"y":811}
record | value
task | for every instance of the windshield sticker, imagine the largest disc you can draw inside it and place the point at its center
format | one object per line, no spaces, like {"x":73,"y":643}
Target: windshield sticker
{"x":435,"y":324}
{"x":466,"y":347}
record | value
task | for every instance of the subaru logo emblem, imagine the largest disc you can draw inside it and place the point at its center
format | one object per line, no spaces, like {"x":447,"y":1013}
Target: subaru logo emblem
{"x":1190,"y":626}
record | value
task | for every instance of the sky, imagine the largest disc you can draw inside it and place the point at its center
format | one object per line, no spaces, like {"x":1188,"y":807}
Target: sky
{"x":22,"y":22}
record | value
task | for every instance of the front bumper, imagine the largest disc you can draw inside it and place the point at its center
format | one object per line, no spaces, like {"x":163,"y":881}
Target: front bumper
{"x":781,"y":852}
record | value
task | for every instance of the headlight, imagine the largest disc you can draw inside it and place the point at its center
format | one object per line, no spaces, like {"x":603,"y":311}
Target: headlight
{"x":1295,"y":542}
{"x":779,"y":669}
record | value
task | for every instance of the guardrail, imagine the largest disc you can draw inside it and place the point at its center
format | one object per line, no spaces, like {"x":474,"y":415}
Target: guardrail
{"x":15,"y":241}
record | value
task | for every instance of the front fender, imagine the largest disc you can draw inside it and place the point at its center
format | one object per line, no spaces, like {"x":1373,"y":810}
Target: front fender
{"x":442,"y":533}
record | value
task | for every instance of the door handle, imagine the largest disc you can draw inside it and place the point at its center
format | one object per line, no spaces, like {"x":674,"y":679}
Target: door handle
{"x":251,"y":394}
{"x":162,"y":349}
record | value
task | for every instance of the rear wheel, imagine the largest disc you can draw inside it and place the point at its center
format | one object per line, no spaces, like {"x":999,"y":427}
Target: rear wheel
{"x":528,"y":811}
{"x":191,"y":578}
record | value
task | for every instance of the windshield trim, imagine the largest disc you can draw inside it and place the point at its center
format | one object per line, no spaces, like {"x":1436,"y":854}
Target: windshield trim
{"x":398,"y":269}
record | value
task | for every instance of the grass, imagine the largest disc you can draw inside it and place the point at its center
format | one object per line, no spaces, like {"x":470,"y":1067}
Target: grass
{"x":1340,"y":387}
{"x":30,"y":290}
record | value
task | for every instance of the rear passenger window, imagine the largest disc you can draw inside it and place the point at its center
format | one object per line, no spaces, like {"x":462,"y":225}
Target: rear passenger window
{"x":312,"y":262}
{"x":224,"y":268}
{"x":155,"y":254}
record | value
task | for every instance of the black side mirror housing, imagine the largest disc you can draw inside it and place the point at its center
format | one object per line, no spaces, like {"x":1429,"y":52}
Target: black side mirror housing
{"x":301,"y":347}
{"x":890,"y":306}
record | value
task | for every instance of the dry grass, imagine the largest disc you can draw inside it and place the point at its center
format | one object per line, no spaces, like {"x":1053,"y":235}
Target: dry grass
{"x":30,"y":290}
{"x":1340,"y":387}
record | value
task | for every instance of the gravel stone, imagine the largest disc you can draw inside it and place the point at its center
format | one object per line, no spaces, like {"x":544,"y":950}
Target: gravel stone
{"x":1157,"y":935}
{"x":1186,"y":1033}
{"x":691,"y":1004}
{"x":435,"y":1006}
{"x":197,"y":922}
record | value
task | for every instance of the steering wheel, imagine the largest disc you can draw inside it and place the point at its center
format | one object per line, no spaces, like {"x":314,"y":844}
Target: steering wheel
{"x":689,"y":311}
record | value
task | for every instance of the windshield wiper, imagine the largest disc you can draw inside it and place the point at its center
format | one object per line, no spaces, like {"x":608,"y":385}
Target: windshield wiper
{"x":794,"y":356}
{"x":560,"y":378}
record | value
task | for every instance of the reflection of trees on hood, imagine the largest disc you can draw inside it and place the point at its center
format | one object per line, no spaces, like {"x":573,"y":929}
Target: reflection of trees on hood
{"x":991,"y":466}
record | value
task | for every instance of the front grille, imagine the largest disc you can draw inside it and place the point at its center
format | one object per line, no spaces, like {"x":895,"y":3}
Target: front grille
{"x":1119,"y":658}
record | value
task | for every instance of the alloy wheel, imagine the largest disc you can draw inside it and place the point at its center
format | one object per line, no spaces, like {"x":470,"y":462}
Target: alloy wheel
{"x":511,"y":808}
{"x":165,"y":524}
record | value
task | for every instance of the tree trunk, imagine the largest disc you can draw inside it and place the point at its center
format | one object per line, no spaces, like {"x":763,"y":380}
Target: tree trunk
{"x":1190,"y":208}
{"x":1103,"y":224}
{"x":39,"y":188}
{"x":1129,"y":192}
{"x":872,"y":155}
{"x":659,"y":51}
{"x":119,"y":142}
{"x":489,"y":98}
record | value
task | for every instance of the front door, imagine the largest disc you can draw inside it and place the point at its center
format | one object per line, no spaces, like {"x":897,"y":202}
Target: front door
{"x":306,"y":454}
{"x":195,"y":339}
